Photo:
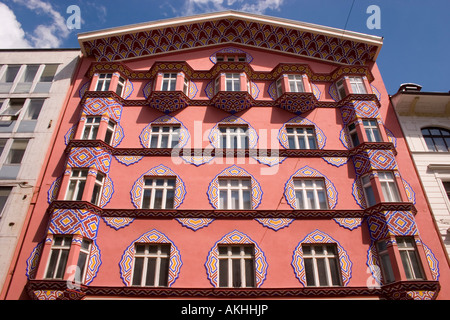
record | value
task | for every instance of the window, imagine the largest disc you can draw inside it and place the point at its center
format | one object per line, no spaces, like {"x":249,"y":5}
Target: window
{"x":372,"y":131}
{"x":77,"y":183}
{"x":353,"y":134}
{"x":301,"y":137}
{"x":58,"y":257}
{"x":12,"y":110}
{"x":158,"y":193}
{"x":164,"y":136}
{"x":83,"y":259}
{"x":120,"y":86}
{"x":437,"y":139}
{"x":446,"y":185}
{"x":169,"y":82}
{"x":34,"y":109}
{"x":110,"y":132}
{"x":98,"y":188}
{"x":27,"y":79}
{"x":235,"y":194}
{"x":11,"y":73}
{"x":341,"y":88}
{"x":49,"y":73}
{"x":410,"y":259}
{"x":4,"y":194}
{"x":17,"y":151}
{"x":279,"y":87}
{"x":321,"y":265}
{"x":310,"y":194}
{"x":103,"y":82}
{"x":389,"y":187}
{"x":151,"y":265}
{"x":295,"y":83}
{"x":186,"y":86}
{"x":386,"y":267}
{"x":236,"y":266}
{"x":233,"y":137}
{"x":232,"y":82}
{"x":368,"y":191}
{"x":2,"y":145}
{"x":91,"y":128}
{"x":357,"y":85}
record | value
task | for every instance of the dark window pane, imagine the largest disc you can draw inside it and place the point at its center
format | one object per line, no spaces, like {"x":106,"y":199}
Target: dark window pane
{"x":309,"y":271}
{"x":137,"y":273}
{"x":151,"y":268}
{"x":223,"y":272}
{"x":164,"y":272}
{"x":62,"y":264}
{"x":236,"y":273}
{"x":335,"y":274}
{"x":322,"y":272}
{"x":52,"y":264}
{"x":249,"y":273}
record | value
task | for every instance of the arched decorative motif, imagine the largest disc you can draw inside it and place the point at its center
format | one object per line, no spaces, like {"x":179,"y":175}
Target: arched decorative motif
{"x":275,"y":223}
{"x":308,"y":172}
{"x":145,"y":135}
{"x":153,"y":236}
{"x":117,"y":223}
{"x":235,"y":237}
{"x":318,"y":236}
{"x":349,"y":223}
{"x":233,"y":120}
{"x":234,"y":171}
{"x":161,"y":170}
{"x":128,"y":160}
{"x":300,"y":121}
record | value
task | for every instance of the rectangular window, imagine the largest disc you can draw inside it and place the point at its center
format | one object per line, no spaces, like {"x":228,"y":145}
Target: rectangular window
{"x":389,"y":187}
{"x":233,"y":137}
{"x":236,"y":266}
{"x":410,"y":258}
{"x":120,"y":86}
{"x":98,"y":188}
{"x":17,"y":151}
{"x":169,"y":82}
{"x":58,"y":257}
{"x":301,"y":137}
{"x":186,"y":86}
{"x":310,"y":194}
{"x":357,"y":85}
{"x":372,"y":130}
{"x":296,"y":83}
{"x":34,"y":109}
{"x":26,"y":81}
{"x":4,"y":194}
{"x":151,"y":265}
{"x":46,"y":78}
{"x":83,"y":259}
{"x":341,"y":89}
{"x":446,"y":185}
{"x":158,"y":193}
{"x":235,"y":194}
{"x":165,"y":136}
{"x":386,"y":266}
{"x":103,"y":82}
{"x":368,"y":190}
{"x":353,"y":134}
{"x":12,"y":109}
{"x":77,"y":183}
{"x":2,"y":145}
{"x":91,"y":128}
{"x":10,"y":74}
{"x":232,"y":82}
{"x":110,"y":132}
{"x":279,"y":87}
{"x":321,"y":265}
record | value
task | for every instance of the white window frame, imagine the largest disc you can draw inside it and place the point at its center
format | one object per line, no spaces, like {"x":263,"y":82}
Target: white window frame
{"x":231,"y":132}
{"x":304,"y":136}
{"x":389,"y":187}
{"x":242,"y":256}
{"x":159,"y":255}
{"x":77,"y":183}
{"x":385,"y":262}
{"x":353,"y":132}
{"x":91,"y":126}
{"x":279,"y":86}
{"x":103,"y":82}
{"x":296,"y":83}
{"x":120,"y":85}
{"x":173,"y":134}
{"x":407,"y":247}
{"x":317,"y":186}
{"x":357,"y":85}
{"x":340,"y":89}
{"x":372,"y":130}
{"x":169,"y":82}
{"x":98,"y":189}
{"x":65,"y":246}
{"x":366,"y":183}
{"x":110,"y":130}
{"x":186,"y":86}
{"x":327,"y":256}
{"x":232,"y":82}
{"x":82,"y":270}
{"x":230,"y":186}
{"x":18,"y":145}
{"x":154,"y":187}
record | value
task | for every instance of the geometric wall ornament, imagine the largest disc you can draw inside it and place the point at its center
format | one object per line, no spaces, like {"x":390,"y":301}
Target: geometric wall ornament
{"x":70,"y":134}
{"x":117,"y":223}
{"x":74,"y":221}
{"x":357,"y":110}
{"x":391,"y":137}
{"x":52,"y":192}
{"x":128,"y":90}
{"x":368,"y":160}
{"x":349,"y":223}
{"x":101,"y":106}
{"x":147,"y":89}
{"x":316,"y":91}
{"x":235,"y":237}
{"x":107,"y":192}
{"x":275,"y":223}
{"x":433,"y":262}
{"x":376,"y":92}
{"x":308,"y":172}
{"x":93,"y":264}
{"x":153,"y":236}
{"x":318,"y":236}
{"x":160,"y":170}
{"x":335,"y":161}
{"x":233,"y":120}
{"x":300,"y":121}
{"x":90,"y":157}
{"x":373,"y":263}
{"x":391,"y":223}
{"x":194,"y":223}
{"x":145,"y":135}
{"x":345,"y":139}
{"x":33,"y":261}
{"x":128,"y":160}
{"x":234,"y":171}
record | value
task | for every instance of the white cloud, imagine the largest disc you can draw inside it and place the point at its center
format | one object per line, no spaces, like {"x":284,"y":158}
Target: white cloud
{"x":46,"y":35}
{"x":254,"y":6}
{"x":11,"y":32}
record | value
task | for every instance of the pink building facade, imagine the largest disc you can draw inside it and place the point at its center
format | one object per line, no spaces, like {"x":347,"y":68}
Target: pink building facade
{"x":229,"y":155}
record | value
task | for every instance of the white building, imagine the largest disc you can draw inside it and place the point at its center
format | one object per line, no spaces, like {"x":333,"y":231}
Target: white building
{"x":425,"y":121}
{"x":34,"y":85}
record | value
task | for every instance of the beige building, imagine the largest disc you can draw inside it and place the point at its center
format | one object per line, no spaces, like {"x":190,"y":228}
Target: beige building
{"x":425,"y":120}
{"x":33,"y":90}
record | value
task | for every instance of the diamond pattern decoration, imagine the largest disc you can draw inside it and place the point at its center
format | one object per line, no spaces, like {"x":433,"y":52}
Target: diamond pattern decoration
{"x":74,"y":221}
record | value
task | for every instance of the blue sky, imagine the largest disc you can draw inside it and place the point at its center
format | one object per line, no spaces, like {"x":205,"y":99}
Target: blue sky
{"x":416,"y":32}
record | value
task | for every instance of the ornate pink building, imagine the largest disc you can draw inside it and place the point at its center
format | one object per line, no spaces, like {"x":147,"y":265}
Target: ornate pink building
{"x":229,"y":155}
